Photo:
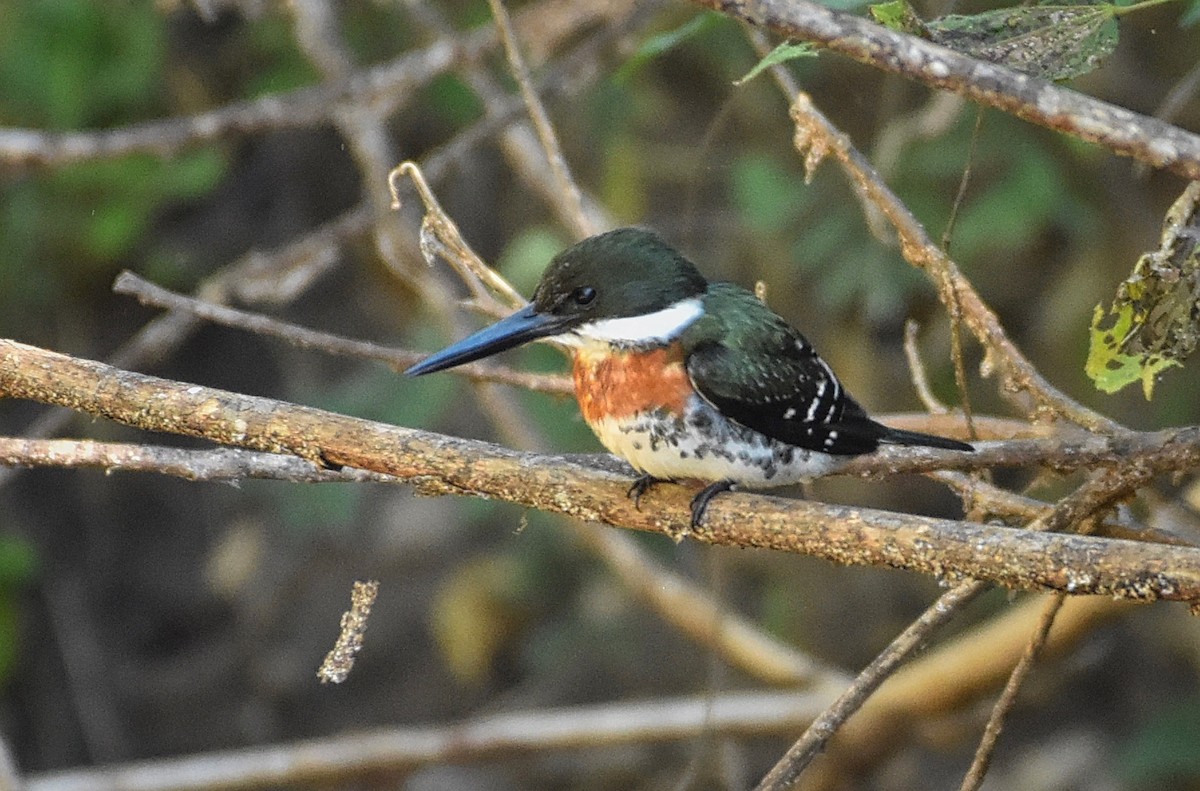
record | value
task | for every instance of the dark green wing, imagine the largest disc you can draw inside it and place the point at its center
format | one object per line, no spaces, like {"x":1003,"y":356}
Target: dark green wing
{"x":758,"y":370}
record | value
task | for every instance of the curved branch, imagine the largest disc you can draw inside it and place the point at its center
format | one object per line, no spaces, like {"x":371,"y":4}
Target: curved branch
{"x":1121,"y":131}
{"x":438,"y":464}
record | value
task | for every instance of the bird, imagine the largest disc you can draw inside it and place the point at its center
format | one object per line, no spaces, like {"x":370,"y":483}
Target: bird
{"x":683,"y":378}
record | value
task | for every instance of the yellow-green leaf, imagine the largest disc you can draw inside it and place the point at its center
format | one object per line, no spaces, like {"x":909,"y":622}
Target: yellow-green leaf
{"x":1152,"y":323}
{"x":1112,"y":369}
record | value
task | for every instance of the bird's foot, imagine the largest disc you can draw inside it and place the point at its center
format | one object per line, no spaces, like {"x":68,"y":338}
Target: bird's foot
{"x":701,"y":500}
{"x":642,"y":485}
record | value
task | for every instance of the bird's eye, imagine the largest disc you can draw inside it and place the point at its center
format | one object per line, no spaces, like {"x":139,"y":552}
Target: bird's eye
{"x":583,"y":295}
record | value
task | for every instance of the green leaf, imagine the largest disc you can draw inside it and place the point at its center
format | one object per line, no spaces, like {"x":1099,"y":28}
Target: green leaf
{"x":781,"y":54}
{"x":1052,"y":41}
{"x":899,"y":15}
{"x":1152,"y":323}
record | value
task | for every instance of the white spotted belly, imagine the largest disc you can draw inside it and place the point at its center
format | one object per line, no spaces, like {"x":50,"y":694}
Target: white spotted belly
{"x":706,"y":446}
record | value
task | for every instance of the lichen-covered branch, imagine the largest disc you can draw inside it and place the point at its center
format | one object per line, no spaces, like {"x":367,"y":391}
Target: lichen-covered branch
{"x":438,"y":464}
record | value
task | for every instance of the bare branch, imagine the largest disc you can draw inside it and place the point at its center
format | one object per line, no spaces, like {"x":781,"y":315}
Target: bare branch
{"x":379,"y":87}
{"x":217,"y":464}
{"x":953,"y":675}
{"x":567,"y":188}
{"x":391,"y":749}
{"x":446,"y":465}
{"x":1035,"y":100}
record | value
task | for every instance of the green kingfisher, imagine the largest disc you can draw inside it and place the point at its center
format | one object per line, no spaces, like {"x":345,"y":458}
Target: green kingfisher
{"x":683,"y":378}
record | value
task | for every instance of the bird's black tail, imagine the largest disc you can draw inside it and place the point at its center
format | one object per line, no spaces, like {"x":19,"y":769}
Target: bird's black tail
{"x":896,"y":436}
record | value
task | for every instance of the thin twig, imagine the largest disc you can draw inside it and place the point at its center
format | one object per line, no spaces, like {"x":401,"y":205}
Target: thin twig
{"x":995,"y":724}
{"x":440,"y":236}
{"x":568,"y":189}
{"x":380,"y":87}
{"x":953,"y":675}
{"x":916,"y":370}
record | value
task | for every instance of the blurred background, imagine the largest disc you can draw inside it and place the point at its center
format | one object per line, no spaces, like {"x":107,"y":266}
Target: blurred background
{"x":144,"y":616}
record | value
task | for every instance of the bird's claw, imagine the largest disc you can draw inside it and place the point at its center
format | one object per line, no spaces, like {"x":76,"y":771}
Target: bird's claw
{"x":701,"y":500}
{"x":640,"y":487}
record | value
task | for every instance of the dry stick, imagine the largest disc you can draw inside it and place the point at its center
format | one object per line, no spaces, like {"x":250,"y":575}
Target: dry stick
{"x":1123,"y":132}
{"x":380,"y":87}
{"x":376,"y":752}
{"x":1008,"y":697}
{"x":568,"y":189}
{"x":519,"y":142}
{"x":991,"y":500}
{"x":697,"y":614}
{"x":438,"y":464}
{"x":995,"y":724}
{"x":916,"y":370}
{"x":278,"y":275}
{"x":956,"y":347}
{"x":944,"y":679}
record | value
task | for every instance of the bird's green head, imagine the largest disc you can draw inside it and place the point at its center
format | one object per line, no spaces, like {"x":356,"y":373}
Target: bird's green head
{"x":620,"y":274}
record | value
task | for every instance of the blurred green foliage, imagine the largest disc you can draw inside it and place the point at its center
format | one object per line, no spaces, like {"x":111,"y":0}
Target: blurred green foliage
{"x":18,"y":567}
{"x":1191,"y":14}
{"x":1165,"y":752}
{"x":73,"y":64}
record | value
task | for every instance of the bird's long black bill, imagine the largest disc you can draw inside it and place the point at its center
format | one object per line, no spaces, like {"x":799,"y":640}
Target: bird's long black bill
{"x":521,"y":327}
